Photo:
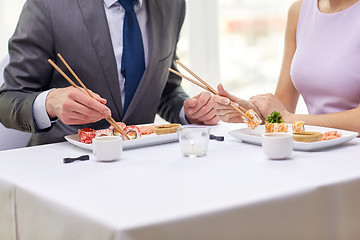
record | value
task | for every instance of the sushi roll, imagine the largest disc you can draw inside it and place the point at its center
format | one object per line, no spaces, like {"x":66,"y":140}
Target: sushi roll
{"x":275,"y":127}
{"x":104,"y":132}
{"x":275,"y":123}
{"x":298,"y":126}
{"x":281,"y":127}
{"x":252,"y":119}
{"x":132,"y":131}
{"x":86,"y":135}
{"x":269,"y":127}
{"x":115,"y":132}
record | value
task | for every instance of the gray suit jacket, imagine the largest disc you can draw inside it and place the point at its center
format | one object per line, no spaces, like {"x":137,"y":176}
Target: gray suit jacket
{"x":78,"y":30}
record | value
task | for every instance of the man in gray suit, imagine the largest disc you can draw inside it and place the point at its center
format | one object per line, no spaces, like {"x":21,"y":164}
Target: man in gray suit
{"x":89,"y":35}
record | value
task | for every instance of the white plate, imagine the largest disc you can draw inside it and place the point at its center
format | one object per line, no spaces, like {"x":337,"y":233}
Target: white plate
{"x":144,"y":141}
{"x":254,"y":136}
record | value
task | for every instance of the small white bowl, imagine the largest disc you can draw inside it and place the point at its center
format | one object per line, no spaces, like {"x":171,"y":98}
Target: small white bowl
{"x":277,"y":145}
{"x":107,"y":148}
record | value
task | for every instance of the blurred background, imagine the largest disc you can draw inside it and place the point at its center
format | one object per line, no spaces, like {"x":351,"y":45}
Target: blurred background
{"x":238,"y":43}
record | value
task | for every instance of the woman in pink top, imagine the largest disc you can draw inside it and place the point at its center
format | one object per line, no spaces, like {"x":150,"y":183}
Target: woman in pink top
{"x":321,"y":62}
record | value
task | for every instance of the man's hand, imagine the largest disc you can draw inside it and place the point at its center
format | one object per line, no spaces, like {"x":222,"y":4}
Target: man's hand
{"x":74,"y":107}
{"x":200,"y":110}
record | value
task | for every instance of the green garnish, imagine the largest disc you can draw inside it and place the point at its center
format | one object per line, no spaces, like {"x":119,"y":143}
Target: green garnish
{"x":274,"y":117}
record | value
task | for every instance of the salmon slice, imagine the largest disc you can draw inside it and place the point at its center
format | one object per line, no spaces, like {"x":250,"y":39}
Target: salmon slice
{"x":146,"y":129}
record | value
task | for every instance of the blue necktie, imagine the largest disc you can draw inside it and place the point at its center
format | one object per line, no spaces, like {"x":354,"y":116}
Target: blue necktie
{"x":133,"y":59}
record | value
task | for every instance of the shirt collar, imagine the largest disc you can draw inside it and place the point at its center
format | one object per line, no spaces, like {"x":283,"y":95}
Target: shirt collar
{"x":109,"y":3}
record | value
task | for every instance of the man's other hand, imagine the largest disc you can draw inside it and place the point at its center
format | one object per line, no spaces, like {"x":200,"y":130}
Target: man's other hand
{"x":200,"y":110}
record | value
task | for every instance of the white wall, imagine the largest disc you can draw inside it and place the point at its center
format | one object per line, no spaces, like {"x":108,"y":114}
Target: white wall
{"x":9,"y":15}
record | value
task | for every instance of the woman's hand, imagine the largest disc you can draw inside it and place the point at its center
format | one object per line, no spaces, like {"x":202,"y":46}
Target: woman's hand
{"x":225,"y":111}
{"x":267,"y":103}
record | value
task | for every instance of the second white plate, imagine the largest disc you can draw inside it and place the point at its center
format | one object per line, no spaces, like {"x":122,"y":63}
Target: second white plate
{"x":254,"y":136}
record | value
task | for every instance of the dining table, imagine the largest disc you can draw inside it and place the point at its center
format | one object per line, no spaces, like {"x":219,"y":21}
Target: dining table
{"x":154,"y":192}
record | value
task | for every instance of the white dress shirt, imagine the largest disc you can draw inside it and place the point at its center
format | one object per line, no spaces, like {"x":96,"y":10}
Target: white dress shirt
{"x":115,"y":14}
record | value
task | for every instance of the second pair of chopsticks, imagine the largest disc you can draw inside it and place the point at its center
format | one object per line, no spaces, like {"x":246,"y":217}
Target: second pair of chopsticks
{"x":205,"y":86}
{"x":109,"y":119}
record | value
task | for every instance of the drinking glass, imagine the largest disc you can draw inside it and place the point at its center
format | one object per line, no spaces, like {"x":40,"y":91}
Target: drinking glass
{"x":194,"y":140}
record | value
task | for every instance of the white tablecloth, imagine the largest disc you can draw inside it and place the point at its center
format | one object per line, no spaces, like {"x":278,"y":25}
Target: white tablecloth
{"x":7,"y":211}
{"x":234,"y":192}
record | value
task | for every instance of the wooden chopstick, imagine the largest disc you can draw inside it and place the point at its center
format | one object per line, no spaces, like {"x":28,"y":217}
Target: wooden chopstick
{"x":242,"y":110}
{"x":76,"y":77}
{"x":203,"y":82}
{"x":191,"y":80}
{"x":197,"y":77}
{"x":204,"y":85}
{"x":109,"y":119}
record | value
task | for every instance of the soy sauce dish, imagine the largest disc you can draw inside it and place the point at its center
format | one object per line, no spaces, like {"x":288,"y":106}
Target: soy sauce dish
{"x":307,"y":136}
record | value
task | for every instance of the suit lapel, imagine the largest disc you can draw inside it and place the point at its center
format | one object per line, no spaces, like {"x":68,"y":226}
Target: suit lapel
{"x":96,"y":23}
{"x":155,"y":25}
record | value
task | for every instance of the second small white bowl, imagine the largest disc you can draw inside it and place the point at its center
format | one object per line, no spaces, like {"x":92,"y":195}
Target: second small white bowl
{"x":277,"y":145}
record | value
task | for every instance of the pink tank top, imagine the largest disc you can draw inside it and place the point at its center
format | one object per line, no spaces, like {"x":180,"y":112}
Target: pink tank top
{"x":326,"y":66}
